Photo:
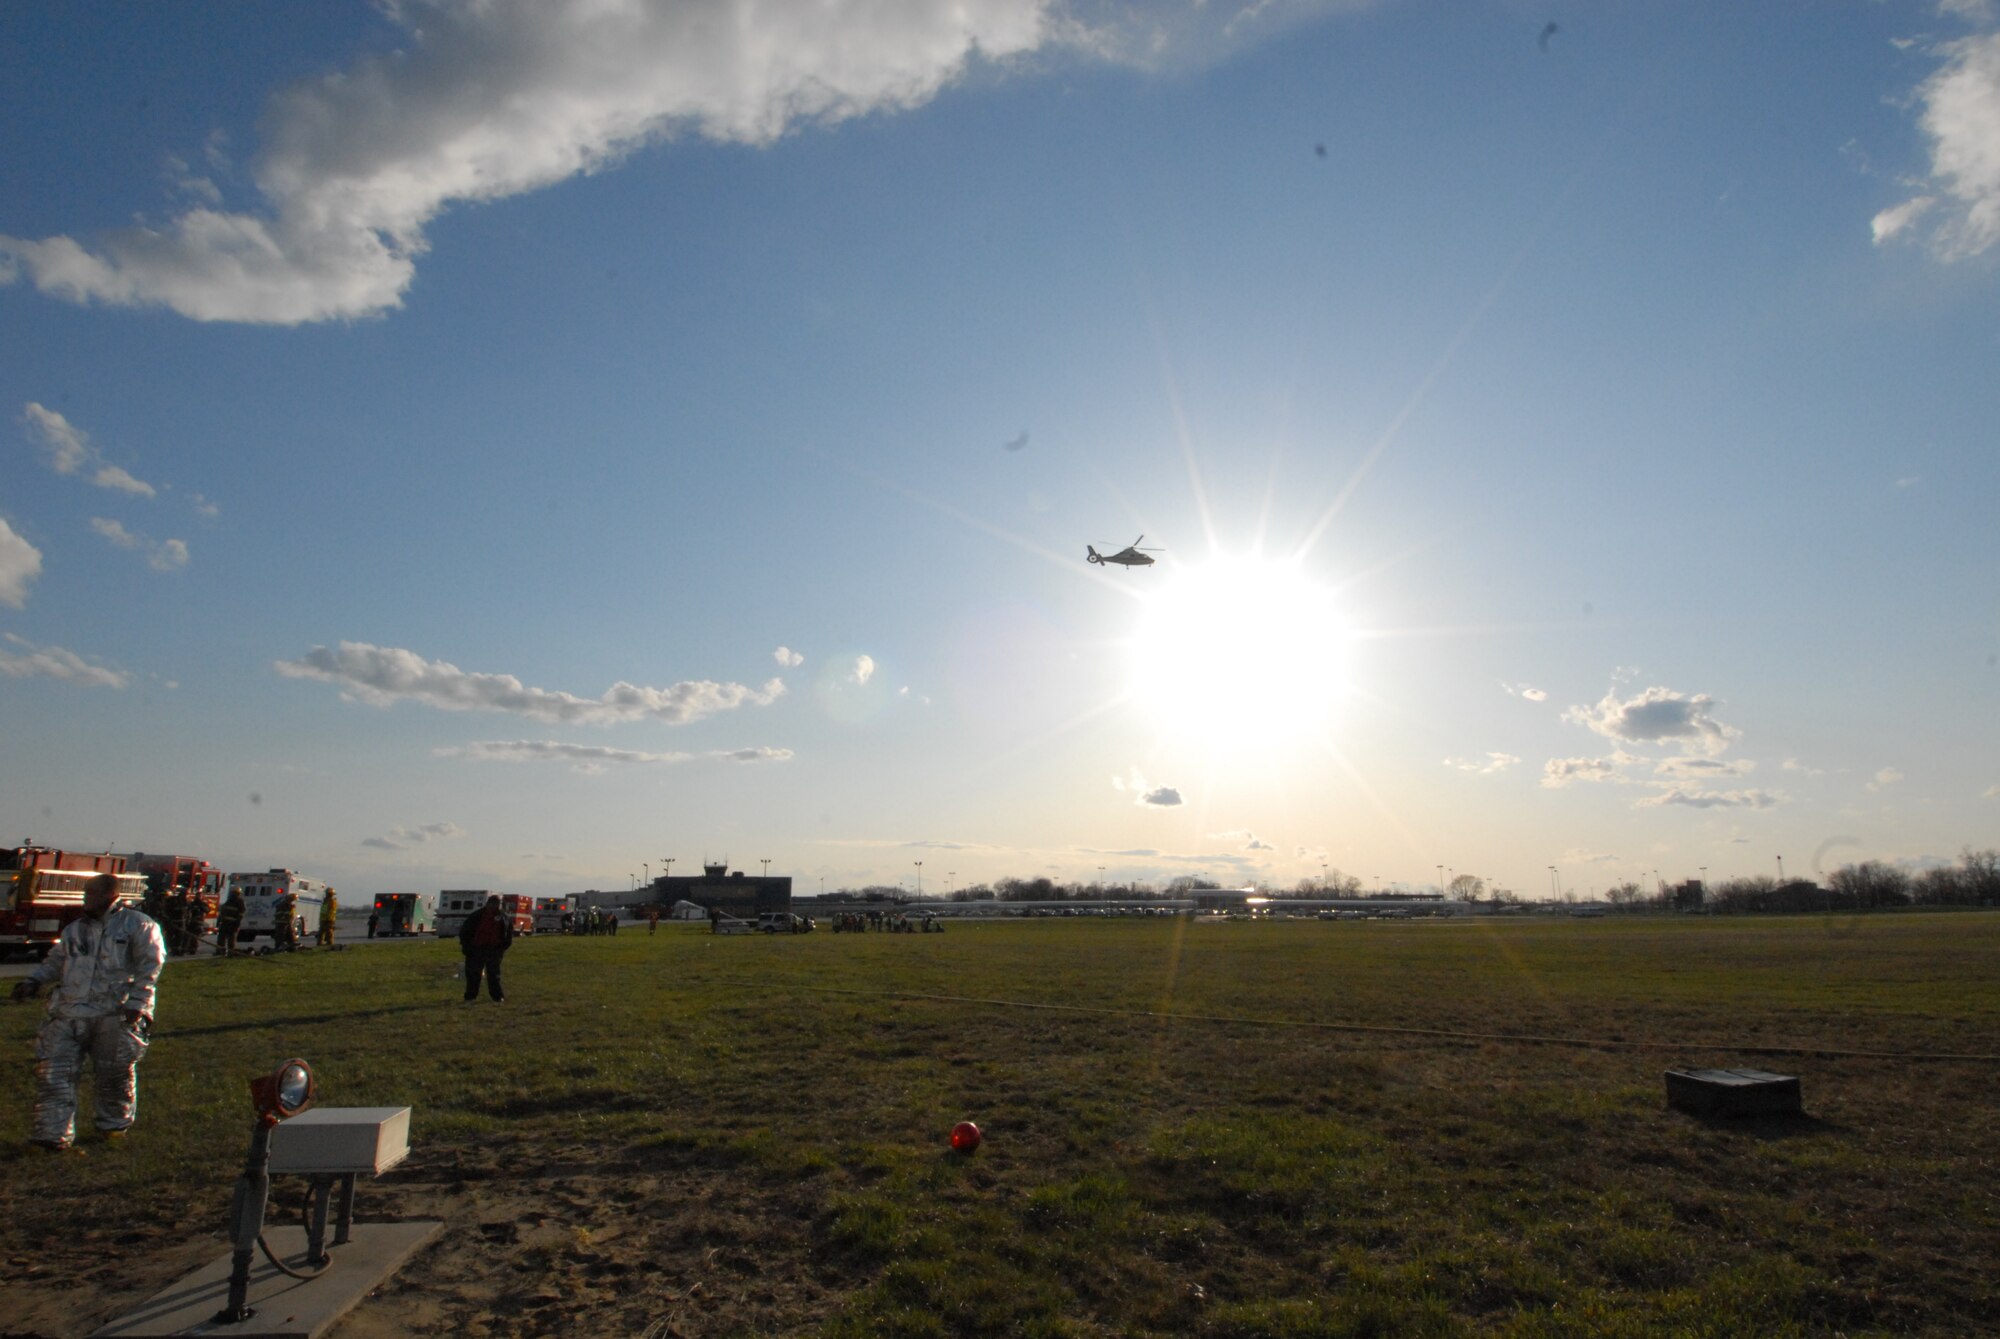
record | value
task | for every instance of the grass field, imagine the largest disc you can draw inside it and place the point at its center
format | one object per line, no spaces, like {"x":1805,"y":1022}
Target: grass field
{"x":1224,"y":1129}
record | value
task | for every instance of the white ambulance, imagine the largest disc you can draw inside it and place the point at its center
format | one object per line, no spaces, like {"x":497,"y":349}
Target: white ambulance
{"x":260,"y":896}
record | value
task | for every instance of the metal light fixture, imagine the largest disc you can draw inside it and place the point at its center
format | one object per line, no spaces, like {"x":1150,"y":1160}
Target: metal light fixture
{"x":277,"y":1096}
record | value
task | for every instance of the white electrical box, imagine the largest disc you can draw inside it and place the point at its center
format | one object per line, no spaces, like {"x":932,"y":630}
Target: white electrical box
{"x":342,"y":1140}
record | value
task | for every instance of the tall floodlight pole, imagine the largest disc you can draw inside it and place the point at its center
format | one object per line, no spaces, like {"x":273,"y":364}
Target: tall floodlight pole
{"x":767,"y":866}
{"x":1781,"y":869}
{"x":920,"y":880}
{"x":1440,"y":880}
{"x":1322,"y":878}
{"x":666,"y":867}
{"x":648,"y":867}
{"x":949,"y":875}
{"x":1555,"y":889}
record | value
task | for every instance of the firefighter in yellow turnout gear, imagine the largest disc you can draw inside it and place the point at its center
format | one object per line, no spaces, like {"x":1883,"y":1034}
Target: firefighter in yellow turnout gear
{"x":327,"y":911}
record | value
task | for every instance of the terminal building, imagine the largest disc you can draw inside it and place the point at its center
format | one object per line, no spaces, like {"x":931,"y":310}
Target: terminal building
{"x":719,"y":890}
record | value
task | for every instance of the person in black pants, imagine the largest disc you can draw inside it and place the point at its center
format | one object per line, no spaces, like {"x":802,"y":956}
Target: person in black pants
{"x":483,"y":939}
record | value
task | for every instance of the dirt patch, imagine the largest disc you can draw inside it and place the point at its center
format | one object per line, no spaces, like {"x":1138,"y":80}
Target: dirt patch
{"x":537,"y":1240}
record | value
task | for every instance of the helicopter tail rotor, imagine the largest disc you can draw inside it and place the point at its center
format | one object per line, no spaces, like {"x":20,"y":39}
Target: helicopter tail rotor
{"x":1092,"y":555}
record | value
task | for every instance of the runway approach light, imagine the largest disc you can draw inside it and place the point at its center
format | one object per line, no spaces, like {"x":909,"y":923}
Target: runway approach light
{"x":277,"y":1096}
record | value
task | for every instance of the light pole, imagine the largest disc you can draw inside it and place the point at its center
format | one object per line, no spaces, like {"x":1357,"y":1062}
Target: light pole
{"x":666,"y":867}
{"x":920,"y":880}
{"x":1781,"y":869}
{"x":1322,"y":878}
{"x":1100,"y":880}
{"x":949,"y":875}
{"x":767,"y":866}
{"x":1555,"y":885}
{"x":647,"y":866}
{"x":1440,"y":880}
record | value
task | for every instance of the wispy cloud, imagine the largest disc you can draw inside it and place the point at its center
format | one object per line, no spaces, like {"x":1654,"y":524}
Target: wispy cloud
{"x":1527,"y":691}
{"x":1959,"y":200}
{"x":166,"y":555}
{"x":1489,"y":765}
{"x":52,"y":662}
{"x":1248,"y":840}
{"x":20,"y":563}
{"x":68,"y":451}
{"x":1710,"y":799}
{"x":403,"y":838}
{"x":1560,"y":772}
{"x":1886,"y":778}
{"x":862,"y":670}
{"x":382,"y":676}
{"x":591,"y":758}
{"x":787,"y":657}
{"x":1697,"y":769}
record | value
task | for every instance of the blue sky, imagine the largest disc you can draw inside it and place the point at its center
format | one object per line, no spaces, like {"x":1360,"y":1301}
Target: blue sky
{"x":512,"y":445}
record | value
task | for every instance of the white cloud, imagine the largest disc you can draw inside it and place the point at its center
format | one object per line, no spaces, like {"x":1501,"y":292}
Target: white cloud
{"x":52,"y":662}
{"x":594,"y":758}
{"x":1559,"y":772}
{"x":20,"y":563}
{"x":1487,"y":766}
{"x":1794,"y":765}
{"x":1886,"y":778}
{"x":1658,"y":715}
{"x":787,"y":657}
{"x":1583,"y":855}
{"x":402,"y":838}
{"x":69,"y":451}
{"x":1250,"y":841}
{"x":381,"y":675}
{"x":167,"y":555}
{"x":1525,"y":690}
{"x":1162,"y":797}
{"x":1696,"y":769}
{"x":863,"y":671}
{"x":1961,"y":117}
{"x":1710,"y":799}
{"x":485,"y":101}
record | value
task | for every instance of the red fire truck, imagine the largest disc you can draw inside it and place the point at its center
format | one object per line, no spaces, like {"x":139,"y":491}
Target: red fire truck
{"x":175,"y":882}
{"x":41,"y":891}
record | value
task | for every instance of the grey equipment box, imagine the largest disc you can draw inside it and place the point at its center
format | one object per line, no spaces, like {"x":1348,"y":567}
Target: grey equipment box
{"x":1733,"y":1092}
{"x":334,"y":1141}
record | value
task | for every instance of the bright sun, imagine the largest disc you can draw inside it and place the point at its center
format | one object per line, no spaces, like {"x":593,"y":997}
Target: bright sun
{"x":1239,"y":654}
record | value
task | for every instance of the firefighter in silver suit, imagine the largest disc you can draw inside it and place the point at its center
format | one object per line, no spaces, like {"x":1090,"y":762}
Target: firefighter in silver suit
{"x":106,"y":967}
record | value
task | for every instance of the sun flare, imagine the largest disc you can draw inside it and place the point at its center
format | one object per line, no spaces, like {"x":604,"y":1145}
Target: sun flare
{"x":1240,"y":654}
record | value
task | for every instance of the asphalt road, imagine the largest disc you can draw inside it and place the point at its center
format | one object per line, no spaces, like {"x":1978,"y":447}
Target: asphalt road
{"x":19,"y":964}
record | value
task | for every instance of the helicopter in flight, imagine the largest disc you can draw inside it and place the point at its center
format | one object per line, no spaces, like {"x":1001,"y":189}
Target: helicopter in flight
{"x":1129,"y":556}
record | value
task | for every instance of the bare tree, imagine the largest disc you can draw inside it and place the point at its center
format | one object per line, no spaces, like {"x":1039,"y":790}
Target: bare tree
{"x":1871,"y":884}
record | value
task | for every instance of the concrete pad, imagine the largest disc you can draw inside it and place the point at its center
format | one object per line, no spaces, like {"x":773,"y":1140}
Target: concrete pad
{"x":285,"y":1307}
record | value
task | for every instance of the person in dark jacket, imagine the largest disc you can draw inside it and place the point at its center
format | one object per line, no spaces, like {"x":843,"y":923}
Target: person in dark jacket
{"x":485,"y":936}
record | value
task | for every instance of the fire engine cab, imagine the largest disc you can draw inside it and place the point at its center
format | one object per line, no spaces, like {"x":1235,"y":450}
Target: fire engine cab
{"x":41,"y":891}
